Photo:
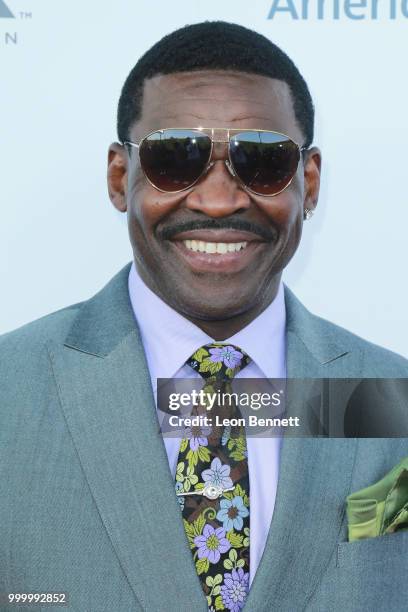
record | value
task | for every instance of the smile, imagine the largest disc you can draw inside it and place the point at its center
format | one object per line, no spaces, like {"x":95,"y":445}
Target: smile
{"x":216,"y":258}
{"x":221,"y":251}
{"x":214,"y":247}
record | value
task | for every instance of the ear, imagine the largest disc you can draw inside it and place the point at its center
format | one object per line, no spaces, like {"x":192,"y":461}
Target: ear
{"x":117,"y":176}
{"x":312,"y":166}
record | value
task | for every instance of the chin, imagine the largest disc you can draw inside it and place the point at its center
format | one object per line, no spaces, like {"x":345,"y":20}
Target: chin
{"x":213,"y":307}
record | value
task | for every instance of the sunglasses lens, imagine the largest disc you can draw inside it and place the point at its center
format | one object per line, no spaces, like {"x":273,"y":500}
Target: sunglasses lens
{"x":266,"y":162}
{"x":173,"y":160}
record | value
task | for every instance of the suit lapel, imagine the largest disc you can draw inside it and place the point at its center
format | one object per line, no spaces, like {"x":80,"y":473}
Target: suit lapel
{"x":107,"y":400}
{"x":314,"y":480}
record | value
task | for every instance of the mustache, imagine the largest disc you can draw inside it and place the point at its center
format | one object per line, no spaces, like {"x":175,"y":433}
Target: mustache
{"x":232,"y":223}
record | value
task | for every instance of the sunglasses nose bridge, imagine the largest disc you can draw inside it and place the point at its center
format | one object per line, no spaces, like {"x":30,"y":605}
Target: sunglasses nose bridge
{"x":219,"y":149}
{"x":227,"y":162}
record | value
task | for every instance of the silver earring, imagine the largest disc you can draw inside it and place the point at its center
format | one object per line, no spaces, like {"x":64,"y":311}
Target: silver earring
{"x":308,"y":214}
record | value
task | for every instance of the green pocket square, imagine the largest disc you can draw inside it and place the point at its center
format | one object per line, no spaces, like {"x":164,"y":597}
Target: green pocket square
{"x":380,"y":508}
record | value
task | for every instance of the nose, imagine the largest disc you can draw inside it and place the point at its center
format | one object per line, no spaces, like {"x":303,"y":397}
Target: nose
{"x":218,"y":193}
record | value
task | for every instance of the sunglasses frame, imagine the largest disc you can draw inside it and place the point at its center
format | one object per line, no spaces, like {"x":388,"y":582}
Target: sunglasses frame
{"x":209,"y":164}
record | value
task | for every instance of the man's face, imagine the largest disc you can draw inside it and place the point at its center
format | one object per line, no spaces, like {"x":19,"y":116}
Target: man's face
{"x":201,"y":285}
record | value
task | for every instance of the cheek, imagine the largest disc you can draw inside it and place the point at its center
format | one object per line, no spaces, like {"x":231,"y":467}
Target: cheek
{"x":142,"y":203}
{"x":283,"y":211}
{"x":286,"y":209}
{"x":148,"y":207}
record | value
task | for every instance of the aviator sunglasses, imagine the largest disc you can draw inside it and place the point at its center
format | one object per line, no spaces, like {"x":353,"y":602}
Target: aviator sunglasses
{"x":174,"y":159}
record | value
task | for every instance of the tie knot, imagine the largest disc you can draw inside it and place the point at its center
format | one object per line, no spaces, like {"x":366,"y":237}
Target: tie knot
{"x":219,"y":360}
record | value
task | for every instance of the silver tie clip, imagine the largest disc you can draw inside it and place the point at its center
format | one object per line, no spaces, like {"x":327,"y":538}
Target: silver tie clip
{"x":210,"y":491}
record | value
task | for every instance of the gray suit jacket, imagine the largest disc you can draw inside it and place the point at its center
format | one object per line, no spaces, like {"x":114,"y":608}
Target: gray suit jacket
{"x":87,"y":502}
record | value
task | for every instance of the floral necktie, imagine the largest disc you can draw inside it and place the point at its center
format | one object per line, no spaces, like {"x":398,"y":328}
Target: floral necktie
{"x":212,"y":484}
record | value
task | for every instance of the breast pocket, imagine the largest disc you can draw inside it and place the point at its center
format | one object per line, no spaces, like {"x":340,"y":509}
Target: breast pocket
{"x":389,"y":549}
{"x":368,"y":575}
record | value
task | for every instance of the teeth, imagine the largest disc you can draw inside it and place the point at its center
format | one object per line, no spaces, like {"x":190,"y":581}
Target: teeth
{"x":214,"y":247}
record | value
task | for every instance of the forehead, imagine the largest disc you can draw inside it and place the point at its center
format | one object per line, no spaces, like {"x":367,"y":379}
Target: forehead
{"x":217,"y":99}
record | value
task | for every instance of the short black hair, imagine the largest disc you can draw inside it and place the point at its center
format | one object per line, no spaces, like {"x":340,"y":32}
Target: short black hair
{"x":215,"y":45}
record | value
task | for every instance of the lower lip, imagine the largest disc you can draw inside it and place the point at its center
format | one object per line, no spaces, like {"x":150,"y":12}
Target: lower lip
{"x":219,"y":262}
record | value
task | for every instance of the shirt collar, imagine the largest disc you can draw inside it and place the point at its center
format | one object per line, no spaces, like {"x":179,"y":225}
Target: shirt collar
{"x":169,"y":339}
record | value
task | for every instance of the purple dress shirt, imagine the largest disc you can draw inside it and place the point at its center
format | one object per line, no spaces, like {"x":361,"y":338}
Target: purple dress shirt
{"x":169,"y":339}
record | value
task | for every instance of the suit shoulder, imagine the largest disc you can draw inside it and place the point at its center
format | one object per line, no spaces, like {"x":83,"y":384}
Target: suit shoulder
{"x":327,"y":340}
{"x":382,"y":361}
{"x":31,"y":337}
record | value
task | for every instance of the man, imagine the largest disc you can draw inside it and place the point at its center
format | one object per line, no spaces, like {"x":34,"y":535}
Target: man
{"x":216,"y":171}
